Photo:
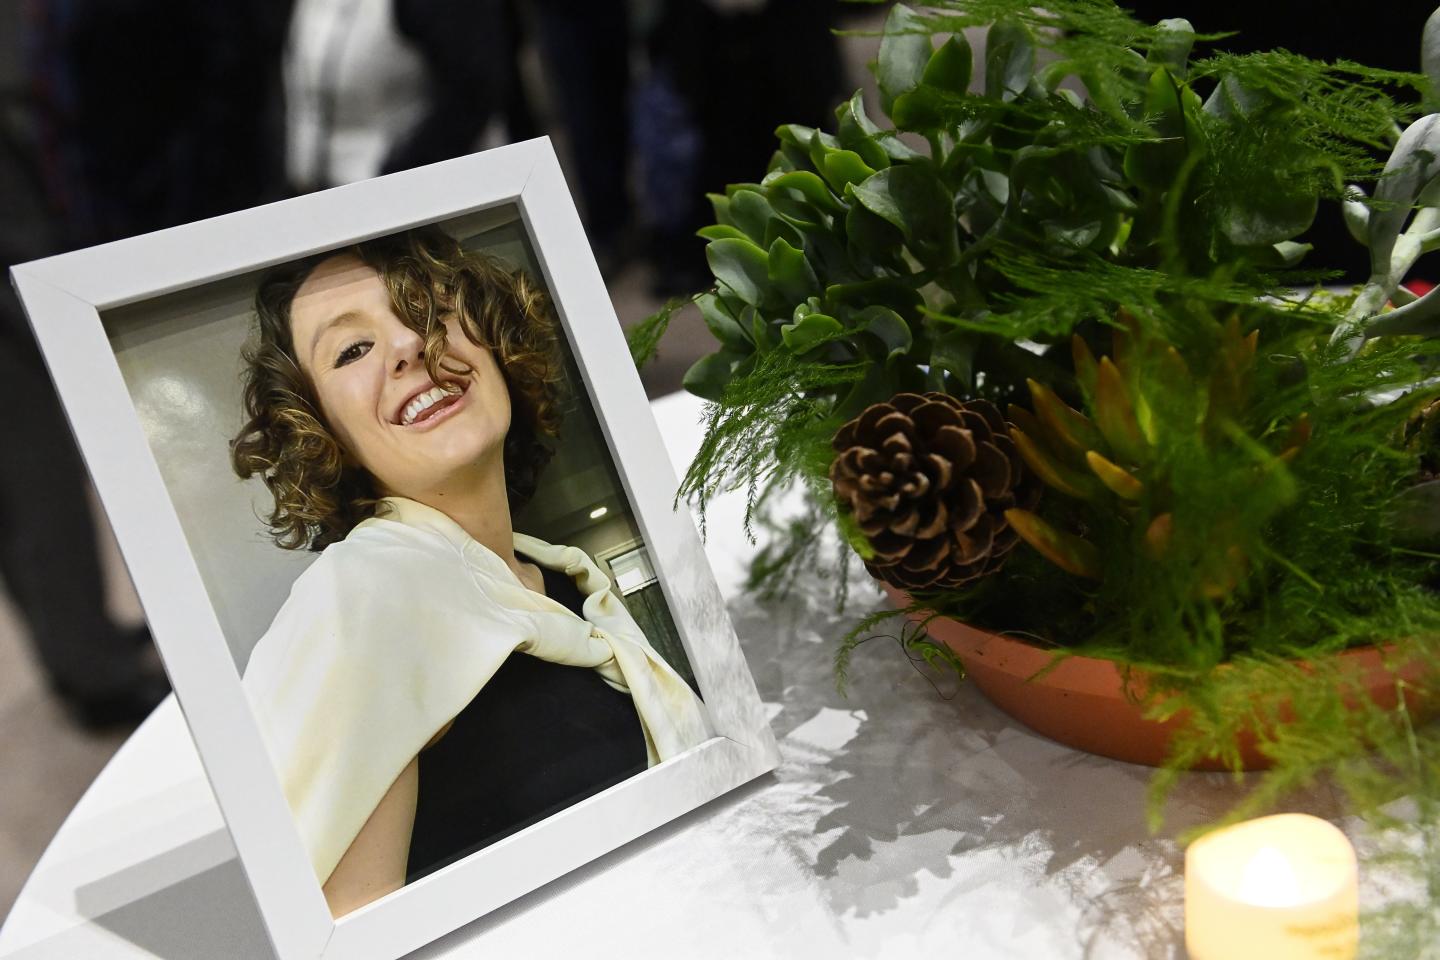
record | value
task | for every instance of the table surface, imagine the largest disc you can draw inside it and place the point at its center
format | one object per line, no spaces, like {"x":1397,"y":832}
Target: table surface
{"x":908,"y":817}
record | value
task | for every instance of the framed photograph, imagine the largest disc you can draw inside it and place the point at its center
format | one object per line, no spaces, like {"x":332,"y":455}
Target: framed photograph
{"x":401,"y":521}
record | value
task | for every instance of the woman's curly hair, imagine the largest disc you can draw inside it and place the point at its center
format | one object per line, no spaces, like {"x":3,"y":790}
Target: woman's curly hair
{"x":320,"y":493}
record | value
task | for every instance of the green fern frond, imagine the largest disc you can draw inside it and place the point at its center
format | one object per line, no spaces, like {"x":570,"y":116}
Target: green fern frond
{"x":644,"y":338}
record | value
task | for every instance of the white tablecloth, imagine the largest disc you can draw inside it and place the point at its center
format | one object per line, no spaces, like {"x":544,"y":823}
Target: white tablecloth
{"x":902,"y":823}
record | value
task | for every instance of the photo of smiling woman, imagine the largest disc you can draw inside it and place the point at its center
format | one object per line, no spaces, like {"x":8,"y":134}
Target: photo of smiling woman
{"x":436,"y":680}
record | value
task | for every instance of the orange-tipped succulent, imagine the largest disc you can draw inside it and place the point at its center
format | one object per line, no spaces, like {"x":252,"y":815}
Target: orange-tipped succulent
{"x":1111,"y":456}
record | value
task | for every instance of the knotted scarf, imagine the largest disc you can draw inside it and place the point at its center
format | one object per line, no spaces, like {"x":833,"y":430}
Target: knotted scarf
{"x":392,"y":631}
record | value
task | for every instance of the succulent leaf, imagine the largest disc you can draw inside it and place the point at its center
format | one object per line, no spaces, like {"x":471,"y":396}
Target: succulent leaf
{"x":904,"y":51}
{"x":1116,"y":478}
{"x":1027,"y":421}
{"x":1295,"y":438}
{"x":790,"y":273}
{"x":1115,"y":415}
{"x":913,"y":198}
{"x":808,"y":185}
{"x":1051,"y":471}
{"x":1084,"y":363}
{"x":1158,"y":534}
{"x":842,"y":167}
{"x":1064,"y":423}
{"x":741,"y":267}
{"x":1179,"y":401}
{"x":1009,"y":60}
{"x":1222,"y":581}
{"x":708,"y":376}
{"x":949,"y":67}
{"x":722,"y":325}
{"x":809,"y":331}
{"x":856,"y":132}
{"x":750,"y":212}
{"x":1230,"y":377}
{"x":721,"y":231}
{"x":1065,"y":550}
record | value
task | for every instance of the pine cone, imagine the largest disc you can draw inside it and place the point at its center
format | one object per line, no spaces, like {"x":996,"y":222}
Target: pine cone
{"x":928,"y":479}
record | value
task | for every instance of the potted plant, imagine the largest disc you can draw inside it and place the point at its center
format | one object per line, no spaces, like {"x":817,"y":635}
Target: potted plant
{"x":1052,"y":367}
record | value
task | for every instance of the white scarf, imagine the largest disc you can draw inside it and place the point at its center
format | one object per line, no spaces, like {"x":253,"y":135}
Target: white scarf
{"x":391,"y":633}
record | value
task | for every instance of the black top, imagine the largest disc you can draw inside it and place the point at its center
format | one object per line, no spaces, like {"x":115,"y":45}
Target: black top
{"x":537,"y":738}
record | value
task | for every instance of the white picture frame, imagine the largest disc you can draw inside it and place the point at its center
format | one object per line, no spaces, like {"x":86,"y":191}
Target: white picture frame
{"x":67,"y":298}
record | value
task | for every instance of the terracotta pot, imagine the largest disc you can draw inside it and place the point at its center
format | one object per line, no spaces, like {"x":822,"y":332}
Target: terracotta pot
{"x":1082,"y":703}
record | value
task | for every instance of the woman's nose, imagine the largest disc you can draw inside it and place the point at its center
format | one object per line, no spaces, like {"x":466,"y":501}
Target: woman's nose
{"x":406,"y":347}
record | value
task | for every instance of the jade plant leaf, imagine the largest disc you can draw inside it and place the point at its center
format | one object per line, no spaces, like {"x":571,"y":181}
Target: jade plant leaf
{"x":1273,"y":220}
{"x":780,"y":229}
{"x":1286,"y":253}
{"x":820,"y":146}
{"x":750,"y":212}
{"x":874,"y":237}
{"x":954,"y":353}
{"x":720,"y":231}
{"x":808,"y":185}
{"x":721,"y":324}
{"x":794,"y":147}
{"x":742,"y":267}
{"x":925,"y":109}
{"x":888,"y":328}
{"x":912,"y":197}
{"x":708,"y":376}
{"x":883,"y":291}
{"x":844,"y":167}
{"x":858,"y":133}
{"x":809,"y":331}
{"x":904,"y":51}
{"x":949,"y":67}
{"x":1154,"y":165}
{"x":1232,"y":100}
{"x":790,"y":273}
{"x":720,"y":205}
{"x":1009,"y":61}
{"x":797,"y":212}
{"x":825,"y":252}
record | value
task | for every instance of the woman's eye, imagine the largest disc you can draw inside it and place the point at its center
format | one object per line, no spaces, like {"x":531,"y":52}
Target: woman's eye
{"x":352,"y":353}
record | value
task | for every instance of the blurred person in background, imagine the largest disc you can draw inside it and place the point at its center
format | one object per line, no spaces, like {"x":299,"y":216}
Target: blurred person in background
{"x":376,"y":87}
{"x":385,"y":85}
{"x":134,"y":115}
{"x":49,"y":561}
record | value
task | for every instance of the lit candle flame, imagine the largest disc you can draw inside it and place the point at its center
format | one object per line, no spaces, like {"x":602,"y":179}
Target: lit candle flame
{"x":1269,"y":880}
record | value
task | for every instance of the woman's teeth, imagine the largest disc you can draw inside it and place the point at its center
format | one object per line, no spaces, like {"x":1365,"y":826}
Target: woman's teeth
{"x":422,"y":403}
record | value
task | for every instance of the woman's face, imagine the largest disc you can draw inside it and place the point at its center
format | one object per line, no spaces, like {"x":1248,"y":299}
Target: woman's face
{"x":369,"y":375}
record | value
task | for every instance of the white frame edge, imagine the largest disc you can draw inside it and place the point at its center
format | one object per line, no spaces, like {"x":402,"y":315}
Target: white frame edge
{"x":64,"y":297}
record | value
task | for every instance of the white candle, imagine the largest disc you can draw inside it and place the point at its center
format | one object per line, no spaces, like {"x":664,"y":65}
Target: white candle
{"x":1277,"y":888}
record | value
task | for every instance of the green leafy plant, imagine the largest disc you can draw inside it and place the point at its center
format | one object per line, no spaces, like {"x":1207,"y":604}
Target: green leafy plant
{"x":1105,"y":236}
{"x":923,"y":254}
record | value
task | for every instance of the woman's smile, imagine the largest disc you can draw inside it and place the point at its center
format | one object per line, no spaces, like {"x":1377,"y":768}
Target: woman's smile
{"x":431,"y":407}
